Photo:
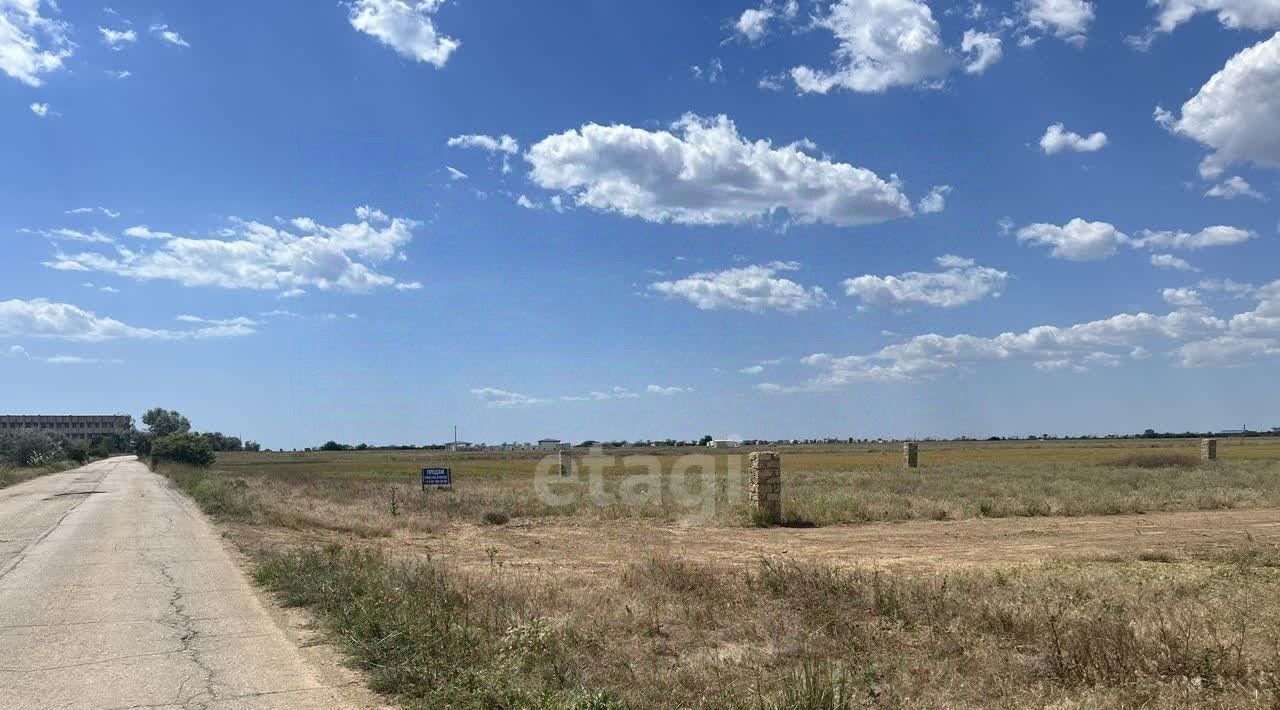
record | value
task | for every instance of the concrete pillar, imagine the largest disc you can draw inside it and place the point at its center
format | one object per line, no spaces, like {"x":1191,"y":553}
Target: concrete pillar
{"x":566,"y":464}
{"x":1208,"y":449}
{"x":911,"y":455}
{"x":764,"y":486}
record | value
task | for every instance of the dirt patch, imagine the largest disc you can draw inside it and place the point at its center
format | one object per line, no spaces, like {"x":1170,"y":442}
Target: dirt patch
{"x":587,"y":549}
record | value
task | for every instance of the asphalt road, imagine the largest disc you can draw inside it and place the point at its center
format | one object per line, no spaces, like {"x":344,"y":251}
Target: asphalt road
{"x":115,"y":592}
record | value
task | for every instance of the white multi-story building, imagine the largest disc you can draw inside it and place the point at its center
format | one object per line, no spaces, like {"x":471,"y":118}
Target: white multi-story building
{"x":72,"y":426}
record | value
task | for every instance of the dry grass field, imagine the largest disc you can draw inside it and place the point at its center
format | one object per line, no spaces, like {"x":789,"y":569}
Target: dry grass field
{"x":999,"y":575}
{"x":357,"y":491}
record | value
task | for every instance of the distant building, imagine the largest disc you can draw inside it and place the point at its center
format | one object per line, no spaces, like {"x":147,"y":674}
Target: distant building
{"x":461,"y":446}
{"x":551,"y":445}
{"x":724,"y":444}
{"x":74,"y":427}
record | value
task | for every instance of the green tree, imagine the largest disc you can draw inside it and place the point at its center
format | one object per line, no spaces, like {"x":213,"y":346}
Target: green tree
{"x":161,"y":422}
{"x":31,"y":447}
{"x":183,"y":447}
{"x":332,"y":446}
{"x":78,"y":453}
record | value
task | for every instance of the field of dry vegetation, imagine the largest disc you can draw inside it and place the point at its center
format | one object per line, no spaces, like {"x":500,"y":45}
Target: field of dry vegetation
{"x":10,"y":476}
{"x":1010,"y":575}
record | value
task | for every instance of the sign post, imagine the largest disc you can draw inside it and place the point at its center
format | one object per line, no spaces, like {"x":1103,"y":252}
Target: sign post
{"x":437,"y":478}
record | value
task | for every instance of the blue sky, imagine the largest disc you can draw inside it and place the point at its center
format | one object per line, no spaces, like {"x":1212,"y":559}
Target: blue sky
{"x":372,"y":221}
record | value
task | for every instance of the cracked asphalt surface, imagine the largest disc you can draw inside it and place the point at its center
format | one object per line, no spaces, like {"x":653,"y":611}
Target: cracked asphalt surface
{"x":115,"y":592}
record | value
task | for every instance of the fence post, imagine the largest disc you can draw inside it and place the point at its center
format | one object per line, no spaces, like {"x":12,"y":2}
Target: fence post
{"x":566,"y":464}
{"x":764,"y":486}
{"x":911,"y":455}
{"x":1208,"y":449}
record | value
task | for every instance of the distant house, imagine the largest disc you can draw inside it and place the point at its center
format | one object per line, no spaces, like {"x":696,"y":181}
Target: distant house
{"x":724,"y":444}
{"x":551,"y":445}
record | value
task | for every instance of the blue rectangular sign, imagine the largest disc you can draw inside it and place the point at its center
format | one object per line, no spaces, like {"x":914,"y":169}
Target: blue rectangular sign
{"x":437,"y":477}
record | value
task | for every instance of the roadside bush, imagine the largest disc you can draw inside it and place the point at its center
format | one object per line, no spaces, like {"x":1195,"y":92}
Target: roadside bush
{"x":78,"y":454}
{"x":186,"y":448}
{"x":30,"y":448}
{"x":141,"y":442}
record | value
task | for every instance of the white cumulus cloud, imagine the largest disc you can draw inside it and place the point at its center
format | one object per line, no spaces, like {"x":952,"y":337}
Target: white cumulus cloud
{"x":1169,"y":261}
{"x":936,"y":200}
{"x":961,"y":282}
{"x":1218,"y":236}
{"x":1046,"y":347}
{"x":1235,"y":113}
{"x":407,"y":28}
{"x":1233,"y":187}
{"x":1068,"y":20}
{"x":500,"y":144}
{"x":1184,"y":297}
{"x":749,"y":288}
{"x":1234,"y":14}
{"x":252,"y":255}
{"x":41,"y":318}
{"x":704,"y":172}
{"x":32,"y":44}
{"x":1076,"y":240}
{"x":753,"y":24}
{"x":1079,"y":240}
{"x":983,"y":50}
{"x":881,"y":44}
{"x":1057,"y":139}
{"x":1202,"y":339}
{"x":39,"y":109}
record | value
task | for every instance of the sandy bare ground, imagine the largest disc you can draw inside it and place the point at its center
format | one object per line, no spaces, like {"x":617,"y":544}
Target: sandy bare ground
{"x":592,"y":548}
